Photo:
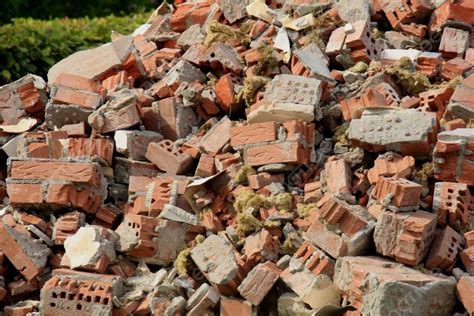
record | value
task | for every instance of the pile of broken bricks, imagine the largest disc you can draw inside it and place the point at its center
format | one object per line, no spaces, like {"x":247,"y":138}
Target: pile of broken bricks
{"x":238,"y":157}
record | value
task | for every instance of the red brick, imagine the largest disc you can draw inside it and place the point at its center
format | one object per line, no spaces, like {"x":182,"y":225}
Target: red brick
{"x":338,"y":176}
{"x":235,"y":307}
{"x":19,"y":249}
{"x":465,"y":293}
{"x":206,"y":166}
{"x":225,"y":94}
{"x":391,"y":165}
{"x":253,"y":134}
{"x":404,"y":193}
{"x":287,"y":152}
{"x":445,"y":249}
{"x":259,"y":282}
{"x":167,"y":158}
{"x":451,"y":201}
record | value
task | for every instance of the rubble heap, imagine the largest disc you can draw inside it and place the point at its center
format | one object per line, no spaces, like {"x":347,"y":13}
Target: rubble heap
{"x":247,"y":157}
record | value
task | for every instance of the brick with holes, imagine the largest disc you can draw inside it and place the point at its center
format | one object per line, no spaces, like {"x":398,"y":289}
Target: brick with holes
{"x":445,"y":249}
{"x":452,"y":203}
{"x":453,"y":156}
{"x":397,"y":194}
{"x":80,"y":293}
{"x":166,"y":157}
{"x":406,"y":237}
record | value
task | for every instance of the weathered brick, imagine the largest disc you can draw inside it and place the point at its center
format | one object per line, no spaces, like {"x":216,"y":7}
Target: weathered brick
{"x":406,"y":237}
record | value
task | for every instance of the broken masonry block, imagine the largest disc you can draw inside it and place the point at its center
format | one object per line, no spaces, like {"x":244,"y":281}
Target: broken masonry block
{"x":406,"y":131}
{"x":175,"y":120}
{"x":406,"y":237}
{"x":56,"y":184}
{"x":28,"y":256}
{"x":453,"y":156}
{"x":454,"y":43}
{"x":366,"y":282}
{"x":391,"y":164}
{"x":233,"y":306}
{"x":22,"y":98}
{"x":452,"y":204}
{"x":429,"y":63}
{"x":340,"y":229}
{"x":91,"y":248}
{"x":152,"y":240}
{"x":133,"y":144}
{"x":461,"y":104}
{"x":309,"y":276}
{"x":259,"y":282}
{"x":288,"y":97}
{"x":337,"y":176}
{"x":435,"y":100}
{"x":80,"y":293}
{"x":217,"y":137}
{"x":182,"y":72}
{"x":67,"y":225}
{"x":261,"y":246}
{"x":215,"y":258}
{"x":464,"y":291}
{"x":166,"y":157}
{"x":397,"y":194}
{"x":446,"y":246}
{"x":119,"y":113}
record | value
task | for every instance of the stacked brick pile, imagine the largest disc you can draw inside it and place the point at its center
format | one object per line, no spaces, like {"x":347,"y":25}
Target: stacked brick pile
{"x":237,"y":157}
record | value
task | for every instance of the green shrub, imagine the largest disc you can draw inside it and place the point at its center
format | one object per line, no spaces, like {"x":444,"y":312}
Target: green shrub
{"x":48,"y":9}
{"x":33,"y":46}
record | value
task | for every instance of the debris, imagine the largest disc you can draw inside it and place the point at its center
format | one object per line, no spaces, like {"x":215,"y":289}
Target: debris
{"x":287,"y":157}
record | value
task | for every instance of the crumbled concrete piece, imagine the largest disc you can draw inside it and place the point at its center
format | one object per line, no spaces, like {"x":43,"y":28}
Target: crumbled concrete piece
{"x":90,"y":248}
{"x":366,"y":282}
{"x":406,"y":131}
{"x":288,"y":97}
{"x":352,"y":11}
{"x":177,"y":214}
{"x":215,"y":258}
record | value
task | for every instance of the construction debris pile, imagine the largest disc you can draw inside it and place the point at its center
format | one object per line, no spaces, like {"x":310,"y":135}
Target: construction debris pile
{"x":238,"y":157}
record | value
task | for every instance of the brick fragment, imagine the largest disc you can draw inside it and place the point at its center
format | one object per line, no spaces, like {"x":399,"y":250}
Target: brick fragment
{"x":454,"y":42}
{"x":391,"y":165}
{"x":167,"y":158}
{"x":308,"y":275}
{"x":398,"y":194}
{"x":133,"y":144}
{"x":451,"y":201}
{"x":67,"y":225}
{"x":411,"y":132}
{"x":452,"y":156}
{"x":356,"y":226}
{"x":288,"y":97}
{"x":446,"y":247}
{"x":464,"y":290}
{"x":29,"y":256}
{"x":406,"y":237}
{"x":259,"y":282}
{"x":79,"y":293}
{"x":366,"y":281}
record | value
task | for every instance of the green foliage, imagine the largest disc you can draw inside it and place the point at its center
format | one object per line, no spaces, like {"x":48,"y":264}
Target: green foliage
{"x":33,"y":46}
{"x":47,"y":9}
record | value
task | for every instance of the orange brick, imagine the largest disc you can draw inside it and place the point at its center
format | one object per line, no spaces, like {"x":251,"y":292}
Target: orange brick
{"x":451,"y":201}
{"x":253,"y":134}
{"x":404,"y":193}
{"x":287,"y":152}
{"x":445,"y":249}
{"x":168,"y":158}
